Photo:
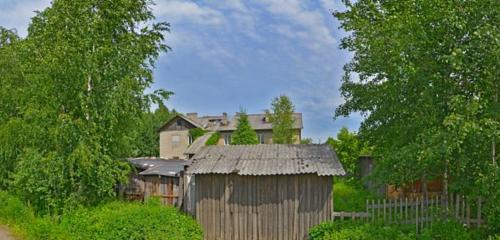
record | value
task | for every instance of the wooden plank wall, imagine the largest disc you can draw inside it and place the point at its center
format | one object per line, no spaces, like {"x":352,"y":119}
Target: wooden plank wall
{"x":262,"y":207}
{"x":168,"y":189}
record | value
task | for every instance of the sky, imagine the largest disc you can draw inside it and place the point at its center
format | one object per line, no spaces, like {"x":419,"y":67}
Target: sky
{"x":229,"y":55}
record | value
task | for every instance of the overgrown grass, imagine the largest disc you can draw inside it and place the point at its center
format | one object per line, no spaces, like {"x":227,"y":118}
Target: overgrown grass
{"x":358,"y":230}
{"x":350,"y":196}
{"x":115,"y":220}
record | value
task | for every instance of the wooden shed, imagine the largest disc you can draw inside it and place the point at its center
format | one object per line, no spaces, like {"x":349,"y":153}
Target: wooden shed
{"x":263,"y":191}
{"x":157,"y":177}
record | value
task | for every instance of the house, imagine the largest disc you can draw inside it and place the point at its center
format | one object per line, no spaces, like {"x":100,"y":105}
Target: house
{"x":175,"y":138}
{"x":415,"y":189}
{"x":157,"y":177}
{"x":263,"y":191}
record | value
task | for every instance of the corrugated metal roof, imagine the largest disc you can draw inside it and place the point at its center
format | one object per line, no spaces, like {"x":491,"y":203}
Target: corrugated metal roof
{"x":159,"y":166}
{"x":267,"y":159}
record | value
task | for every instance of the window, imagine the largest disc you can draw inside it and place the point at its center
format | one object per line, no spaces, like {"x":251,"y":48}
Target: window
{"x":227,"y":139}
{"x":175,"y":139}
{"x":261,"y":138}
{"x":190,"y":139}
{"x":179,"y":122}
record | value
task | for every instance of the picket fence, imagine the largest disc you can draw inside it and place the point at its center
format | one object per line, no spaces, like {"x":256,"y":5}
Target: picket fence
{"x":421,"y":212}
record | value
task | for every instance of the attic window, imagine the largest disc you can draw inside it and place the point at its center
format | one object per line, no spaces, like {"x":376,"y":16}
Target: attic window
{"x":179,"y":122}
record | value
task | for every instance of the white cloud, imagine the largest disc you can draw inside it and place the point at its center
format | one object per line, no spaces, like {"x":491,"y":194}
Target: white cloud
{"x":17,"y":14}
{"x":302,"y":23}
{"x":185,"y":11}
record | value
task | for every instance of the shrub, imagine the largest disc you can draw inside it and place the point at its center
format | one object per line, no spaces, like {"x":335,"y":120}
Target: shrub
{"x":350,"y":196}
{"x":115,"y":220}
{"x":212,"y":140}
{"x":12,"y":210}
{"x":445,"y":230}
{"x":352,"y":230}
{"x":120,"y":220}
{"x":196,"y":133}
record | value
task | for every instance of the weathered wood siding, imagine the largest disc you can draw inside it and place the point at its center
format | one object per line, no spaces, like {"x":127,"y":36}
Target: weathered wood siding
{"x":262,"y":207}
{"x":168,"y":189}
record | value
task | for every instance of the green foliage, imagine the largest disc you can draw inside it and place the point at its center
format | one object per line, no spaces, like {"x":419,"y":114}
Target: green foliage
{"x":196,"y":133}
{"x":146,"y":137}
{"x":445,"y":230}
{"x":72,"y":95}
{"x":341,"y":230}
{"x":281,"y":116}
{"x":349,"y":196}
{"x":119,"y":220}
{"x":213,"y":139}
{"x":431,"y":98}
{"x":244,"y":134}
{"x":115,"y":220}
{"x":349,"y":148}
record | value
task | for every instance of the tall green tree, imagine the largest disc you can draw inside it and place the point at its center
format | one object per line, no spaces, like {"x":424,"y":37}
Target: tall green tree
{"x":349,"y":148}
{"x":281,"y":116}
{"x":80,"y":76}
{"x":244,"y":134}
{"x":147,"y":140}
{"x":427,"y":82}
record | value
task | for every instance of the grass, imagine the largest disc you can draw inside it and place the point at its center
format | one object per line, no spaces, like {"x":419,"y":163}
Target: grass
{"x":350,"y":196}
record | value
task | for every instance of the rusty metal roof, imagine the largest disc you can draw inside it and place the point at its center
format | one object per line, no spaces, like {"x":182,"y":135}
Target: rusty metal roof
{"x":267,"y":159}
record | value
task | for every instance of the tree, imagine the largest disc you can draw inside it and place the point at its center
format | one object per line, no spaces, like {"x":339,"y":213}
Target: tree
{"x":281,"y":116}
{"x":349,"y":148}
{"x":80,"y":76}
{"x":146,"y":142}
{"x":428,"y":87}
{"x":244,"y":134}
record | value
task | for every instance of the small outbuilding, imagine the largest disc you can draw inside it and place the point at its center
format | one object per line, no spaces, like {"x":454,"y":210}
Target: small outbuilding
{"x":157,"y":177}
{"x":263,"y":191}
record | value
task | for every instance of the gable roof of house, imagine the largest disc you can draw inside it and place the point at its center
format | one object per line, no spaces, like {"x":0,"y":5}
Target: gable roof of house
{"x":159,"y":166}
{"x":189,"y":120}
{"x":267,"y":159}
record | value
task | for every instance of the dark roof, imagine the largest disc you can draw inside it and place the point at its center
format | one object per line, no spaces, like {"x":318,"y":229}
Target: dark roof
{"x":257,"y":121}
{"x":267,"y":159}
{"x":159,"y":166}
{"x":189,"y":120}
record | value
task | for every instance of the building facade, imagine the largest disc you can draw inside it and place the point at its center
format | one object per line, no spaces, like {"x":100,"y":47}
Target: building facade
{"x":176,"y":141}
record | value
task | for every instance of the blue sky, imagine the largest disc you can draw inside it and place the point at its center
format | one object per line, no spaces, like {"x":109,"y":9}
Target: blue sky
{"x":231,"y":54}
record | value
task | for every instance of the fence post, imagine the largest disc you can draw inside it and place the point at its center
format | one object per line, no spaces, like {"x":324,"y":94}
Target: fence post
{"x":416,"y":215}
{"x":384,"y":212}
{"x":373,"y":211}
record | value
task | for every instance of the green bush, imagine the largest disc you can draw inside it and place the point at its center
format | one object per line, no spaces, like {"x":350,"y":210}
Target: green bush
{"x":120,"y":220}
{"x":341,"y":230}
{"x":115,"y":220}
{"x":350,"y":196}
{"x":212,"y":140}
{"x":445,"y":230}
{"x":196,"y":133}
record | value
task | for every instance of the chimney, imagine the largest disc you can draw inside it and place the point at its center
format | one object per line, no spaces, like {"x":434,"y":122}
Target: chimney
{"x":224,"y":118}
{"x":193,"y":115}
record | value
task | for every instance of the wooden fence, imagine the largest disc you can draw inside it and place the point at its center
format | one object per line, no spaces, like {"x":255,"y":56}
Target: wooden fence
{"x":419,"y":211}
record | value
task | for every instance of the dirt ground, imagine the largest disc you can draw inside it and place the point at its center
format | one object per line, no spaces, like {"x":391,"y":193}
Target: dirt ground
{"x":4,"y":234}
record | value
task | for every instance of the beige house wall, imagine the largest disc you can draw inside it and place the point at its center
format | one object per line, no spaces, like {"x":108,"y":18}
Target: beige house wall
{"x":173,"y":144}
